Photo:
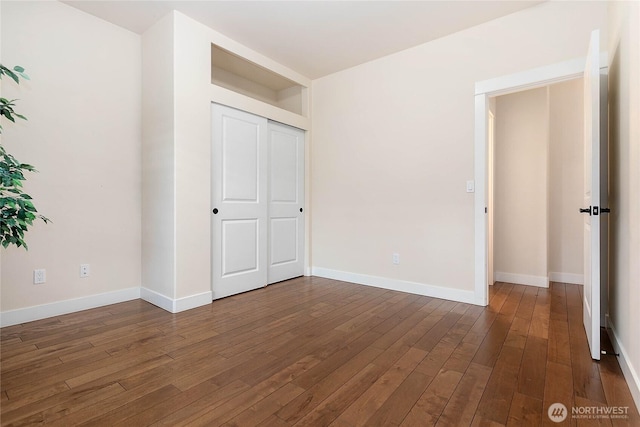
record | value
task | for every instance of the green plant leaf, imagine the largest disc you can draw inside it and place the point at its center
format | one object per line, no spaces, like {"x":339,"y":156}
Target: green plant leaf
{"x":11,"y":74}
{"x":19,"y":70}
{"x":17,"y":211}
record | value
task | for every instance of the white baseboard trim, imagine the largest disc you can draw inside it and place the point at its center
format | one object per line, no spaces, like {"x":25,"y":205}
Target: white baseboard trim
{"x":628,"y":370}
{"x":193,"y":301}
{"x":175,"y":305}
{"x":37,"y":312}
{"x":397,"y":285}
{"x":574,"y":279}
{"x":157,"y":299}
{"x":522,"y":279}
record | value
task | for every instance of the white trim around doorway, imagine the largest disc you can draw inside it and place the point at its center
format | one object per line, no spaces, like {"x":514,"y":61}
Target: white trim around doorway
{"x":485,"y":89}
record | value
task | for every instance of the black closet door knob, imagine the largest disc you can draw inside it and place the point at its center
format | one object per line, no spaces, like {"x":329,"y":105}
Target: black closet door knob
{"x":215,"y":211}
{"x":300,"y":209}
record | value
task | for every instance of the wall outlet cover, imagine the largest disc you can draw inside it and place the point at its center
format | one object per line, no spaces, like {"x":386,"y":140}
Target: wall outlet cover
{"x":84,"y":270}
{"x":39,"y":276}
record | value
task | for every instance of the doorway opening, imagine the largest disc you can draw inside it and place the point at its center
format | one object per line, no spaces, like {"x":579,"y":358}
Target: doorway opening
{"x":485,"y":91}
{"x":535,"y":162}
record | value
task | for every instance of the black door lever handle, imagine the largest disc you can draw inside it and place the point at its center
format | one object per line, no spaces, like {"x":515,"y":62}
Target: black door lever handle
{"x":586,"y":210}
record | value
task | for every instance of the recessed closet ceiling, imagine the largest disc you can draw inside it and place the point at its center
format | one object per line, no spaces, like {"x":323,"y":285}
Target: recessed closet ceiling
{"x":315,"y":38}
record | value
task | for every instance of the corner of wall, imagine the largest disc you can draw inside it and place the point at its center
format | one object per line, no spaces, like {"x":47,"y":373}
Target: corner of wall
{"x":158,"y":158}
{"x":176,"y":305}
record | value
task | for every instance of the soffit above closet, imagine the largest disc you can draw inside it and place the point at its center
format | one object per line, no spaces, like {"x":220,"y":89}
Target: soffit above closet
{"x":225,"y":60}
{"x":315,"y":38}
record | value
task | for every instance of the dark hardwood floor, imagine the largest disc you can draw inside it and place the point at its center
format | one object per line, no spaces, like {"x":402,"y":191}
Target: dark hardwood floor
{"x":312,"y":352}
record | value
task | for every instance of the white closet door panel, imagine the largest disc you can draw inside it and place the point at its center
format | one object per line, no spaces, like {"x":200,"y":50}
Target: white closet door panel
{"x":240,"y":157}
{"x":284,"y":152}
{"x":284,"y":245}
{"x":286,"y":202}
{"x":241,"y":246}
{"x":239,"y":201}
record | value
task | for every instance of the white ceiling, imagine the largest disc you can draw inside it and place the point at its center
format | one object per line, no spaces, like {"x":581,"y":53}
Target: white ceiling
{"x":315,"y":38}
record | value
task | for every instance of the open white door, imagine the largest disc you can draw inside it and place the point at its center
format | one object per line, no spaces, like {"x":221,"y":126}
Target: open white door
{"x":239,"y":198}
{"x":592,"y":193}
{"x":286,"y":202}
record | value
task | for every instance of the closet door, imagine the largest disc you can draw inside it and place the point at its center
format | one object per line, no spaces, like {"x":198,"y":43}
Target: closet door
{"x":239,"y":201}
{"x":286,"y":202}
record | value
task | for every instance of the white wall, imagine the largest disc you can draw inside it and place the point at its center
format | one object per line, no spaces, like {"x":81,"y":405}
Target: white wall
{"x":624,"y":149}
{"x":521,"y":172}
{"x":393,"y":146}
{"x":566,"y":186}
{"x":83,"y":135}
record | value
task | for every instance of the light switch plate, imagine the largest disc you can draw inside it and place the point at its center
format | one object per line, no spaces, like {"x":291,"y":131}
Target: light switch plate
{"x":471,"y":186}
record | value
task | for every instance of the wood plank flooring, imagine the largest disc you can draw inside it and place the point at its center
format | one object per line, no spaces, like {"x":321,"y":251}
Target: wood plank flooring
{"x":312,"y":352}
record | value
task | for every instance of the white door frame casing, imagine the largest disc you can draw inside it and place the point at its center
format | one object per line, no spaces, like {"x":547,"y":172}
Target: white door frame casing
{"x":529,"y":79}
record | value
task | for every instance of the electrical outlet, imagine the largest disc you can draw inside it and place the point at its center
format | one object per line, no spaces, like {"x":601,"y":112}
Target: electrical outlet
{"x":39,"y":276}
{"x":84,"y":270}
{"x":396,"y":259}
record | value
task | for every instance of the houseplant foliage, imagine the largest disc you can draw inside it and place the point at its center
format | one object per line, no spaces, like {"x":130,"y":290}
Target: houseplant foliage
{"x":17,"y":211}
